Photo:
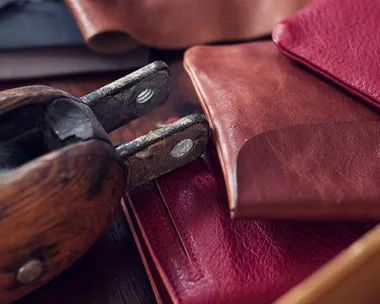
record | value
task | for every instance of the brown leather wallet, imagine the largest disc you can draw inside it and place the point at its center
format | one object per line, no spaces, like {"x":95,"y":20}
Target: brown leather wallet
{"x":115,"y":26}
{"x":291,"y":145}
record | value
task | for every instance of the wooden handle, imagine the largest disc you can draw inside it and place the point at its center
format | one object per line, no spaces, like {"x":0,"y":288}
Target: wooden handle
{"x":37,"y":94}
{"x":349,"y":278}
{"x":52,"y":210}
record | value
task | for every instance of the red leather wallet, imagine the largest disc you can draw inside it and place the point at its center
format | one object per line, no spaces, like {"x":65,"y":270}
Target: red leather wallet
{"x":194,"y":253}
{"x":339,"y":40}
{"x":291,"y":145}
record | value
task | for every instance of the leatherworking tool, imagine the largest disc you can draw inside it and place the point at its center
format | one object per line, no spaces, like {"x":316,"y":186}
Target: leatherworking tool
{"x":61,"y":177}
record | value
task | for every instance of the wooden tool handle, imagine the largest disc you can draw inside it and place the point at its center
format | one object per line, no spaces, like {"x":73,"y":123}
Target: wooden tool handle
{"x":52,"y":210}
{"x":54,"y":206}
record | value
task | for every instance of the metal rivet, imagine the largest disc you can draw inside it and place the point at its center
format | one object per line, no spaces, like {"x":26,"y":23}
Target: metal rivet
{"x":30,"y":271}
{"x":145,"y":96}
{"x":182,"y":148}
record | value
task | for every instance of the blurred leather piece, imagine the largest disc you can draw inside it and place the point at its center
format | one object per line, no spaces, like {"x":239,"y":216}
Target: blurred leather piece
{"x":349,"y":278}
{"x":194,"y":252}
{"x":121,"y":25}
{"x":40,"y":39}
{"x":250,"y":89}
{"x":339,"y":40}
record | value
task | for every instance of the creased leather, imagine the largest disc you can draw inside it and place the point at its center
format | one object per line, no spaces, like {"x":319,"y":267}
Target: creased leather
{"x":172,"y":24}
{"x":339,"y":40}
{"x":249,"y":89}
{"x":197,"y":254}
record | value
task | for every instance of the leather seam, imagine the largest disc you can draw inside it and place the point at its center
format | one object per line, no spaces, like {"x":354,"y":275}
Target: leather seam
{"x":136,"y":231}
{"x":158,"y":253}
{"x":184,"y":239}
{"x":173,"y":224}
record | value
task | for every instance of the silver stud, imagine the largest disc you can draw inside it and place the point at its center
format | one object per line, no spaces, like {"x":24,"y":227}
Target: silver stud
{"x":145,"y":96}
{"x":30,"y":271}
{"x":182,"y":148}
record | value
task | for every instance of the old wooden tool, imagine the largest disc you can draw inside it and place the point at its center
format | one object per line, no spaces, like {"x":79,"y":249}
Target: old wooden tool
{"x":61,"y":177}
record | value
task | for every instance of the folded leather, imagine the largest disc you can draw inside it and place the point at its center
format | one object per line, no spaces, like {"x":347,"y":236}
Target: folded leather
{"x":194,"y":252}
{"x":291,"y":145}
{"x":120,"y":25}
{"x":339,"y":40}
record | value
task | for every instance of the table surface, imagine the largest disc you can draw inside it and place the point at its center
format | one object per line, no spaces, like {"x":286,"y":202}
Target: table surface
{"x":112,"y":271}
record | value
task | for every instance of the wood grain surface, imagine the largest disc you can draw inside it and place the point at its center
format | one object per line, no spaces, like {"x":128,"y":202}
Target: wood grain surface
{"x":19,"y":97}
{"x":53,"y":209}
{"x":111,"y":271}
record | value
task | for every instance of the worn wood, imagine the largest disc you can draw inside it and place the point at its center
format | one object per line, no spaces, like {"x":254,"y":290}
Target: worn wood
{"x":54,"y":208}
{"x":18,"y":97}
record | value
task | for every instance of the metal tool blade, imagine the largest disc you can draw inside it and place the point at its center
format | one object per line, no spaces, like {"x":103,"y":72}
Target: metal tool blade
{"x":164,"y":150}
{"x":130,"y":97}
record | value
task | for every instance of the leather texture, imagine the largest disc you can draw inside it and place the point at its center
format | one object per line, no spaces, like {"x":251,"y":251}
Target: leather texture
{"x":171,"y":24}
{"x":194,"y":252}
{"x":316,"y":171}
{"x":339,"y":40}
{"x":252,"y":95}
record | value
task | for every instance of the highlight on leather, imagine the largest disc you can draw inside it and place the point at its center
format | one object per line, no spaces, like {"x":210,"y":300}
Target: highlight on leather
{"x":121,"y":25}
{"x":250,"y":89}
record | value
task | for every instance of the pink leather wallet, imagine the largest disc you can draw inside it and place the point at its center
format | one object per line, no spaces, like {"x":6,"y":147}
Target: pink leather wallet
{"x":339,"y":40}
{"x":194,"y":253}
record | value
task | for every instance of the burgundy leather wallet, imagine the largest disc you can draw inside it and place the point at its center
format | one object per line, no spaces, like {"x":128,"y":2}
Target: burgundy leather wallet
{"x":339,"y":40}
{"x":194,"y":253}
{"x":291,"y":145}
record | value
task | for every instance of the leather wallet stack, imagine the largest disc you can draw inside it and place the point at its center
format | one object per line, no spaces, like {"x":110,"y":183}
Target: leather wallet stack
{"x":294,"y":153}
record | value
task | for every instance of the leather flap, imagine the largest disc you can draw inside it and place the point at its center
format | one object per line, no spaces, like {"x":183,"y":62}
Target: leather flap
{"x":326,"y":170}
